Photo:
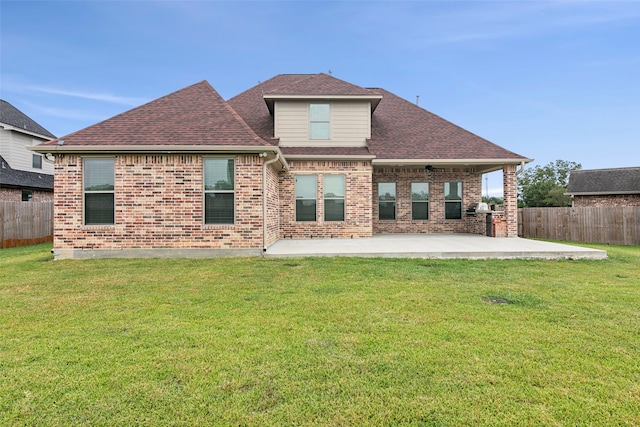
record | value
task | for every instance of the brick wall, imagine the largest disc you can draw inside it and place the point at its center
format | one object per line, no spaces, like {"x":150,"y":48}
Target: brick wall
{"x":510,"y":185}
{"x":273,"y":206}
{"x":158,"y":204}
{"x":403,"y":177}
{"x":15,"y":195}
{"x":357,"y":201}
{"x":600,"y":201}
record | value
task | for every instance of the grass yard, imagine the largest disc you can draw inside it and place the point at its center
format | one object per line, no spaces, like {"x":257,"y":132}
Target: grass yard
{"x":319,"y":341}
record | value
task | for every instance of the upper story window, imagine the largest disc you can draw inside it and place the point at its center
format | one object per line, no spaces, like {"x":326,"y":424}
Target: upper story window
{"x":99,"y":186}
{"x":319,"y":121}
{"x":219,"y":191}
{"x":36,"y":163}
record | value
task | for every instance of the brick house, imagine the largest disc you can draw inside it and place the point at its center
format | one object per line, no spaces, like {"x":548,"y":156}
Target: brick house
{"x":297,"y":156}
{"x":604,"y":187}
{"x":24,"y":175}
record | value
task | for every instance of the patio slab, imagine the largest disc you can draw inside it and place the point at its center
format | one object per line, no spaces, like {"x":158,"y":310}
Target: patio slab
{"x":439,"y":246}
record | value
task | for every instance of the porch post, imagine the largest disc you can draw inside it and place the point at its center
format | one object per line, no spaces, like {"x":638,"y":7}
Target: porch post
{"x":510,"y":199}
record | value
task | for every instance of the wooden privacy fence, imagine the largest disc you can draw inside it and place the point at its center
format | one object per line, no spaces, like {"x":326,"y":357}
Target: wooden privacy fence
{"x":25,"y":223}
{"x":618,"y":225}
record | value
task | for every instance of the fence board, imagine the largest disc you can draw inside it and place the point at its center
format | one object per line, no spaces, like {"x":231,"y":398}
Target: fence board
{"x":618,"y":225}
{"x":25,"y":223}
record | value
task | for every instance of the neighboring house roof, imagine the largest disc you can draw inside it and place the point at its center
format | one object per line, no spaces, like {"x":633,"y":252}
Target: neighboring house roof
{"x":400,"y":130}
{"x":10,"y":177}
{"x":10,"y":115}
{"x":593,"y":182}
{"x":194,"y":116}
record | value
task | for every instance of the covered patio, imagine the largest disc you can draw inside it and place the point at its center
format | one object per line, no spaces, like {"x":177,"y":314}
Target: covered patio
{"x":435,"y":246}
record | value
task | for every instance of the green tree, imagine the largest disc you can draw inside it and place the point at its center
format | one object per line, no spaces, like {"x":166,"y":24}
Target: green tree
{"x":544,"y":186}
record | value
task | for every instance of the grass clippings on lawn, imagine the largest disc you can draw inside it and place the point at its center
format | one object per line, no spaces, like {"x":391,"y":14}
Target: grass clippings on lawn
{"x":319,"y":341}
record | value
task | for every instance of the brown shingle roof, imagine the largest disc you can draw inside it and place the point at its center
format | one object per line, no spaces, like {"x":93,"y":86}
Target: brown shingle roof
{"x":399,"y":129}
{"x":403,"y":130}
{"x":195,"y":115}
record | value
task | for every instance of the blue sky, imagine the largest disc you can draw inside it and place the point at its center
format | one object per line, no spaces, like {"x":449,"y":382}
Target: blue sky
{"x":548,"y":80}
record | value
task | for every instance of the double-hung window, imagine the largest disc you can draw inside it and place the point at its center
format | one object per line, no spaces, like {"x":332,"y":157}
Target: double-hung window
{"x":334,"y":191}
{"x":306,"y":194}
{"x":219,"y":191}
{"x":387,"y":200}
{"x":319,"y":121}
{"x":453,"y":200}
{"x":419,"y":200}
{"x":99,"y":186}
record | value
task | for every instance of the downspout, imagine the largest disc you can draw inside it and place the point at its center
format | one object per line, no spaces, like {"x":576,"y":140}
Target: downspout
{"x":264,"y":197}
{"x":518,"y":172}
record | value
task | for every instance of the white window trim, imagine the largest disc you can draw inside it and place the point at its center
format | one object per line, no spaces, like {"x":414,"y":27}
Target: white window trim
{"x":205,"y":192}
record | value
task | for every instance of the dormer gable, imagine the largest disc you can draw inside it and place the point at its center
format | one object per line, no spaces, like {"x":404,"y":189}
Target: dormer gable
{"x":320,"y":110}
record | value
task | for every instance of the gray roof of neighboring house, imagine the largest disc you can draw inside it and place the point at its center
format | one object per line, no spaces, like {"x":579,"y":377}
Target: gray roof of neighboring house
{"x":604,"y":181}
{"x":16,"y":118}
{"x":14,"y":178}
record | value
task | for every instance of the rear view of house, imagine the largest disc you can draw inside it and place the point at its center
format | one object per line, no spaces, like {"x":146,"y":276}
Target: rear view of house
{"x":297,"y":156}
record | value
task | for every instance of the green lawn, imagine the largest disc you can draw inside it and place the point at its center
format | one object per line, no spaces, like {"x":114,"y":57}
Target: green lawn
{"x":319,"y":341}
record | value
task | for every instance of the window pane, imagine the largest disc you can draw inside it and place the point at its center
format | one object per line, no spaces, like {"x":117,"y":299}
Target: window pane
{"x":319,"y":130}
{"x":98,"y":208}
{"x":98,"y":174}
{"x":387,"y":210}
{"x":218,"y":174}
{"x":218,"y":208}
{"x":37,"y":162}
{"x":387,"y":191}
{"x":419,"y":191}
{"x":453,"y":210}
{"x":453,"y":190}
{"x":334,"y":186}
{"x":305,"y":210}
{"x":319,"y":112}
{"x":420,"y":210}
{"x":306,"y":187}
{"x":334,"y":210}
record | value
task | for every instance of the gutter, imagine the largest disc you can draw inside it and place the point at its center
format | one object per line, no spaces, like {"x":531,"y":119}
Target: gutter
{"x":264,"y":196}
{"x":142,"y":149}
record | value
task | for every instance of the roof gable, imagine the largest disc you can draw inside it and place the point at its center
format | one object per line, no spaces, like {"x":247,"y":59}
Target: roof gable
{"x":12,"y":116}
{"x":604,"y":181}
{"x":195,"y":115}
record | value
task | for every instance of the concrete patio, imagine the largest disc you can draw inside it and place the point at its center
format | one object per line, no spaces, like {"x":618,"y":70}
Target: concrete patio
{"x":441,"y":246}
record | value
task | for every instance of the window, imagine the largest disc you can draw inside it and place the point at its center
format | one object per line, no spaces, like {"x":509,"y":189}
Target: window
{"x":334,"y":191}
{"x":219,"y":194}
{"x":419,"y":200}
{"x":27,"y":195}
{"x":452,"y":200}
{"x":319,"y":121}
{"x":306,"y":197}
{"x":99,"y":185}
{"x":387,"y":200}
{"x":36,"y":163}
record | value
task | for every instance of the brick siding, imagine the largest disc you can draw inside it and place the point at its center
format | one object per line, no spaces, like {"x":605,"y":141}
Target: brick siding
{"x":15,"y":195}
{"x":403,"y":177}
{"x":158,"y":204}
{"x":606,"y":201}
{"x":510,"y":186}
{"x":357,"y":221}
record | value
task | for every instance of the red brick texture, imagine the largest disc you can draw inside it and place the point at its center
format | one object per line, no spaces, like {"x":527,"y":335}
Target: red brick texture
{"x":158,"y":204}
{"x":403,"y":177}
{"x":15,"y":195}
{"x":510,"y":186}
{"x":606,"y":201}
{"x":357,"y":201}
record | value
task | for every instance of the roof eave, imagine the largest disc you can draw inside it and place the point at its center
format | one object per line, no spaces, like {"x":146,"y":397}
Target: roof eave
{"x":603,"y":193}
{"x":356,"y":157}
{"x":97,"y":149}
{"x":270,"y":99}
